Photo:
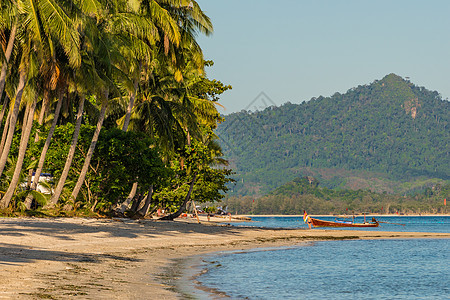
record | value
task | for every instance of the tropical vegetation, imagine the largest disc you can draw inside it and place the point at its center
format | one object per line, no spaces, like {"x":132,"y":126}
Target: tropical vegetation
{"x":111,"y":98}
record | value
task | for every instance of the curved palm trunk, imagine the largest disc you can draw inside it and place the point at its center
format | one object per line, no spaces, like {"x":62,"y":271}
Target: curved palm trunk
{"x":120,"y":209}
{"x":12,"y":121}
{"x":37,"y":174}
{"x":4,"y":202}
{"x":70,"y":155}
{"x":130,"y":107}
{"x":25,"y":119}
{"x":2,"y":113}
{"x":5,"y":132}
{"x":45,"y":103}
{"x":90,"y":152}
{"x":183,"y":206}
{"x":8,"y":52}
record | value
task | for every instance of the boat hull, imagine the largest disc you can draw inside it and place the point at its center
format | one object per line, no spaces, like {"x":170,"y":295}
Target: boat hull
{"x":322,"y":223}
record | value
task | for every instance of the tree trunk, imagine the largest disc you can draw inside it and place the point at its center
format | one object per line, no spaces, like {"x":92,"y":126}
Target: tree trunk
{"x":2,"y":113}
{"x":8,"y":52}
{"x":45,"y":103}
{"x":148,"y":201}
{"x":183,"y":206}
{"x":24,"y":125}
{"x":130,"y":106}
{"x":120,"y":210}
{"x":137,"y":203}
{"x":90,"y":152}
{"x":12,"y":121}
{"x":25,"y":119}
{"x":5,"y":132}
{"x":37,"y":174}
{"x":124,"y":206}
{"x":70,"y":155}
{"x":22,"y":150}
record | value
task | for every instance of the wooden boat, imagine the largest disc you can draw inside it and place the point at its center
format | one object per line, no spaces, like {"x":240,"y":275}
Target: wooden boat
{"x":341,"y":223}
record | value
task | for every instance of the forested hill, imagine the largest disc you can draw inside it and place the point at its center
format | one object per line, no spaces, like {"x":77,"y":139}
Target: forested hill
{"x":372,"y":137}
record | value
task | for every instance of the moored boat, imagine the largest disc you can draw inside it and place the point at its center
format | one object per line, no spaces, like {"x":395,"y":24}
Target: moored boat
{"x":342,"y":222}
{"x":338,"y":223}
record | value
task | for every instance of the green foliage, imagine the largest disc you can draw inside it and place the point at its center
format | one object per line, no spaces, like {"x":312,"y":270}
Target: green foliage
{"x":210,"y":184}
{"x":120,"y":159}
{"x":389,"y":130}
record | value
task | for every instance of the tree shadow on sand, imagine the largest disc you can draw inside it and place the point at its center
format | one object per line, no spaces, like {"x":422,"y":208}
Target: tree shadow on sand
{"x":11,"y":254}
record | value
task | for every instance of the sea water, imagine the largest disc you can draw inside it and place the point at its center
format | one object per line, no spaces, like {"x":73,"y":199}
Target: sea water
{"x":353,"y":269}
{"x":387,"y":223}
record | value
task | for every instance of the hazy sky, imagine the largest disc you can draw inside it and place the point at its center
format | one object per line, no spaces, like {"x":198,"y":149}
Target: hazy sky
{"x":293,"y":50}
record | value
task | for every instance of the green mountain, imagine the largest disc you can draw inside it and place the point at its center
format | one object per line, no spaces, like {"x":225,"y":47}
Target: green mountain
{"x":390,"y":135}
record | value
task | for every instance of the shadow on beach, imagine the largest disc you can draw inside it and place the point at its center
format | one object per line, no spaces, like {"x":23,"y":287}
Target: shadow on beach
{"x":29,"y":240}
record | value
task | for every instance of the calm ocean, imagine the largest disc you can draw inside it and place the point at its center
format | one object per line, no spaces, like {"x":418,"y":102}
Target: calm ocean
{"x":354,"y":269}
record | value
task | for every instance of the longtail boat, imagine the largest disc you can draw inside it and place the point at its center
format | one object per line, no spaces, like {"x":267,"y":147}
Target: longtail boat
{"x":339,"y":222}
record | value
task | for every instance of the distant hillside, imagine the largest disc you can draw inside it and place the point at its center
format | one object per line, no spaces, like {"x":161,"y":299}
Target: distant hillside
{"x":306,"y":194}
{"x":389,"y":136}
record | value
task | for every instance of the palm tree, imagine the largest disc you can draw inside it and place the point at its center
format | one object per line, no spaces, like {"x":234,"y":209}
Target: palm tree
{"x":182,"y":208}
{"x":29,"y":199}
{"x":54,"y":77}
{"x":90,"y":152}
{"x":8,"y":53}
{"x":153,"y":16}
{"x":104,"y":55}
{"x":28,"y":122}
{"x":62,"y":179}
{"x":42,"y":23}
{"x":90,"y":9}
{"x":8,"y":22}
{"x":13,"y":118}
{"x":5,"y":132}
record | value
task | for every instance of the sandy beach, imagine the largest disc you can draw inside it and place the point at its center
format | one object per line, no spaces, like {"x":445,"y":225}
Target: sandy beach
{"x":126,"y":259}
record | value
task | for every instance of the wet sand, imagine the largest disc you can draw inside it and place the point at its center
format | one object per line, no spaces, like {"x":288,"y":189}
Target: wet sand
{"x":126,"y":259}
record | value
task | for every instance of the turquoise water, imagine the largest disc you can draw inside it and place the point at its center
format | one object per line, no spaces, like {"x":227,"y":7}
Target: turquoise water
{"x":355,"y":269}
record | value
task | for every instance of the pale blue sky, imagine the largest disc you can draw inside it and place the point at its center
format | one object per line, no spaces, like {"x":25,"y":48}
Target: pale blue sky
{"x":295,"y":50}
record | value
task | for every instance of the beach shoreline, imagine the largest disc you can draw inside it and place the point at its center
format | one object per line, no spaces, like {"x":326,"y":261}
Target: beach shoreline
{"x":128,"y":259}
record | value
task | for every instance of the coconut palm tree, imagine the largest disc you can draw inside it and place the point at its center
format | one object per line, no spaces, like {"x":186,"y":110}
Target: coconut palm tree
{"x":8,"y":24}
{"x":8,"y":52}
{"x":105,"y":56}
{"x":27,"y":125}
{"x":42,"y":23}
{"x":70,"y":155}
{"x":88,"y":9}
{"x":13,"y":117}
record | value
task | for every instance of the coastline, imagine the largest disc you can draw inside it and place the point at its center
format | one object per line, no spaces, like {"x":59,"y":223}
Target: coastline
{"x":128,"y":259}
